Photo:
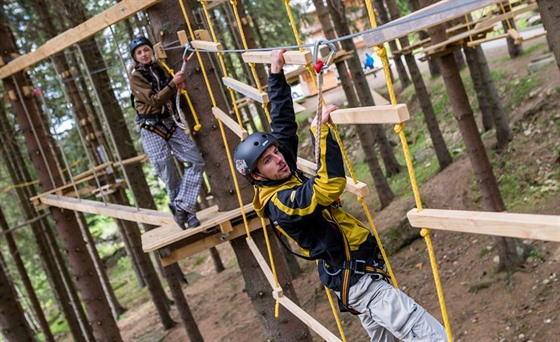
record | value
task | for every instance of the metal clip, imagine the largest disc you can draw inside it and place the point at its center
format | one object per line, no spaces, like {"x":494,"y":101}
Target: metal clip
{"x":317,"y":63}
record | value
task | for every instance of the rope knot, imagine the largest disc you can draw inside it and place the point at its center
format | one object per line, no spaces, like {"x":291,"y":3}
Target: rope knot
{"x":399,"y":128}
{"x":424,"y":232}
{"x":381,"y":51}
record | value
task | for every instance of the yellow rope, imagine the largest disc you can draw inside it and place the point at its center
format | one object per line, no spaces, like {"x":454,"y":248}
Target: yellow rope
{"x":220,"y":124}
{"x":468,"y":28}
{"x":184,"y":92}
{"x":399,"y":129}
{"x":245,"y":46}
{"x":506,"y":15}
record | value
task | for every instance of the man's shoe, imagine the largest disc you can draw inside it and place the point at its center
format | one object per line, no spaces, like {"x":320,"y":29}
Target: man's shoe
{"x":192,"y":220}
{"x":181,"y":217}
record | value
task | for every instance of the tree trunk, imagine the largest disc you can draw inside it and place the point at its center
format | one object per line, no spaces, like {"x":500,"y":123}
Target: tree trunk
{"x":513,"y":49}
{"x":442,"y":153}
{"x":337,"y":12}
{"x":479,"y":89}
{"x":491,"y":197}
{"x":40,"y":315}
{"x":432,"y":64}
{"x":43,"y":158}
{"x":550,"y":16}
{"x":12,"y":318}
{"x":401,"y":69}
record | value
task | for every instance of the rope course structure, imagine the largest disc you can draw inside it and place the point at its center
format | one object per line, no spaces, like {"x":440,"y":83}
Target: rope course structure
{"x":165,"y":238}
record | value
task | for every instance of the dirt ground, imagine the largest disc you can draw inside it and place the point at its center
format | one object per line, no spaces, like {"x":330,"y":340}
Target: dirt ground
{"x":482,"y":305}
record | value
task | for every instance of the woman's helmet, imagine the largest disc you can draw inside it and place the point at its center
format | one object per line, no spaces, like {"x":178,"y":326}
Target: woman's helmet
{"x":139,"y":41}
{"x":248,"y":151}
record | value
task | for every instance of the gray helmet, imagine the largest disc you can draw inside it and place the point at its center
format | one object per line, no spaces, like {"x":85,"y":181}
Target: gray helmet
{"x":139,"y":41}
{"x":248,"y":151}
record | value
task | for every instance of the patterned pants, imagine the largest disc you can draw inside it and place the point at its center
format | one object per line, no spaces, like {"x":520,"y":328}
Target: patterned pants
{"x":182,"y":192}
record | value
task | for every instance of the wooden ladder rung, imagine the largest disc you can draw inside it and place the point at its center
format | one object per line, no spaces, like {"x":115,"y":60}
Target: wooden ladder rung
{"x":487,"y":39}
{"x":358,"y":189}
{"x":245,"y":89}
{"x":205,"y":45}
{"x":229,"y":122}
{"x":524,"y":226}
{"x":371,"y":115}
{"x":290,"y":57}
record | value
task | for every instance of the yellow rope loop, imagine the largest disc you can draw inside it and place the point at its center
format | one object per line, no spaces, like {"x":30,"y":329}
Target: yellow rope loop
{"x":335,"y":314}
{"x":373,"y":231}
{"x":399,"y":128}
{"x":269,"y":249}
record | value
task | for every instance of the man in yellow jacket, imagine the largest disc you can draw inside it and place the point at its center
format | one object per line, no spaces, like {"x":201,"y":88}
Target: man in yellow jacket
{"x":308,"y":211}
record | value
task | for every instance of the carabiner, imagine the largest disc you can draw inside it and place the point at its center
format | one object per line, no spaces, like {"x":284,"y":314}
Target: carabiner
{"x":318,"y":64}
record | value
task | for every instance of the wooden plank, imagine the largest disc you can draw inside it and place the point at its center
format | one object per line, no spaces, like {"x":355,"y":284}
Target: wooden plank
{"x":435,"y":14}
{"x":359,"y":189}
{"x":204,"y":45}
{"x":262,"y":262}
{"x":209,"y":241}
{"x":245,"y":89}
{"x":111,"y":16}
{"x":524,"y":226}
{"x":138,"y":159}
{"x":170,"y":233}
{"x":307,"y":319}
{"x":226,"y":227}
{"x":487,"y":39}
{"x":378,"y":99}
{"x":94,"y":170}
{"x":488,"y":23}
{"x":290,"y":57}
{"x":182,"y":35}
{"x":371,"y":115}
{"x":230,"y":123}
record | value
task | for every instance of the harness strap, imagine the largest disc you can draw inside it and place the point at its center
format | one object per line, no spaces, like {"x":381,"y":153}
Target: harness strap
{"x":157,"y":117}
{"x":154,"y":128}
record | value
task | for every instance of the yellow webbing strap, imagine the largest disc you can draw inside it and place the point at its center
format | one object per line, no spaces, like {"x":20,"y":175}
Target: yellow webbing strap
{"x":399,"y":129}
{"x":506,"y":14}
{"x":251,"y":65}
{"x":184,"y":92}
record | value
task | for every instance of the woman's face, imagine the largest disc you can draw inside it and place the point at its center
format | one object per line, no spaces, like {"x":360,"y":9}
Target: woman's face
{"x":143,"y":54}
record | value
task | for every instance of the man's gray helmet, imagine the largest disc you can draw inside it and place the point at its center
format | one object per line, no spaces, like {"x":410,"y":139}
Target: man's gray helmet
{"x":248,"y":151}
{"x":139,"y":41}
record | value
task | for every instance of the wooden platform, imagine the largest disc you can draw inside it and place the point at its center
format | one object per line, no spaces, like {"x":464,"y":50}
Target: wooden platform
{"x":524,"y":226}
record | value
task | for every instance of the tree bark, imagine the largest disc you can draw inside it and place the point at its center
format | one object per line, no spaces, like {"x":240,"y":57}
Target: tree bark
{"x":442,"y":153}
{"x":491,"y":197}
{"x":479,"y":89}
{"x":12,"y":318}
{"x":550,"y":16}
{"x":513,"y":49}
{"x":43,"y":158}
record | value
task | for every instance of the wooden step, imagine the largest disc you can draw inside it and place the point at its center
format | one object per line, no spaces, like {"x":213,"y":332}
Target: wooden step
{"x":245,"y":89}
{"x":205,"y":45}
{"x":310,"y":168}
{"x":371,"y":115}
{"x":229,"y":122}
{"x":524,"y":226}
{"x":290,"y":57}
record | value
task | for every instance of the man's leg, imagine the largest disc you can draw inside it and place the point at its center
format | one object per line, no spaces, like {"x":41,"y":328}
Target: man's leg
{"x":393,"y":310}
{"x":185,"y":151}
{"x":160,"y":157}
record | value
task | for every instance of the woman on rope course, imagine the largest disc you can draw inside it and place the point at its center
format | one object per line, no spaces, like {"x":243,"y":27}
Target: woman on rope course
{"x":153,"y":92}
{"x":308,"y":211}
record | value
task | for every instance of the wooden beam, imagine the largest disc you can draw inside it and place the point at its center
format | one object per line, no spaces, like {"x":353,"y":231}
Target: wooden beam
{"x":182,"y":35}
{"x":204,"y":45}
{"x":230,"y":123}
{"x":488,"y":23}
{"x":138,"y":159}
{"x":371,"y":115}
{"x":245,"y":89}
{"x":488,"y":39}
{"x":524,"y":226}
{"x":290,"y":57}
{"x":94,"y":170}
{"x":171,"y":233}
{"x":262,"y":263}
{"x":358,"y":189}
{"x":435,"y":14}
{"x":111,"y":16}
{"x":209,"y":241}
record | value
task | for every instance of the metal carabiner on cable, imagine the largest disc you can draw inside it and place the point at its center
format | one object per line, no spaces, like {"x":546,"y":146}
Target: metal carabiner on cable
{"x":318,"y":64}
{"x":186,"y":58}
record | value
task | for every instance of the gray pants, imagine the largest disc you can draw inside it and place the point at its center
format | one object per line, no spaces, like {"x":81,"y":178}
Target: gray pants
{"x":388,"y":314}
{"x":182,"y":192}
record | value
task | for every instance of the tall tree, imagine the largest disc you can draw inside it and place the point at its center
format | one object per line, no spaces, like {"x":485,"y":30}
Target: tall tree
{"x":550,"y":16}
{"x":365,"y":134}
{"x":514,"y":50}
{"x":338,"y":15}
{"x":491,"y":197}
{"x":43,"y":158}
{"x":12,"y":318}
{"x":442,"y":153}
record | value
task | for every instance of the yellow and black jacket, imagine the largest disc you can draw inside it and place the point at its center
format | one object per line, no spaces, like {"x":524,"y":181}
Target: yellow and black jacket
{"x":307,"y":210}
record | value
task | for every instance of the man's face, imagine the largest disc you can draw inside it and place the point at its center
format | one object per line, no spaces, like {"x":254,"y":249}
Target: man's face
{"x":271,"y":166}
{"x":143,"y":54}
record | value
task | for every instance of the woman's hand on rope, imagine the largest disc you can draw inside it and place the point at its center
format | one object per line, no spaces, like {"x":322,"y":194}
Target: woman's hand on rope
{"x":277,"y":61}
{"x":178,"y":79}
{"x":326,"y":115}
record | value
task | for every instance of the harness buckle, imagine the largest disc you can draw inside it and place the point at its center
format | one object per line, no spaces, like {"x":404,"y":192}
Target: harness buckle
{"x":358,"y":266}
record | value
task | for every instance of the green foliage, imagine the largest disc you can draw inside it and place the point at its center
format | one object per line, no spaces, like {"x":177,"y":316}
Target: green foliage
{"x":535,"y":47}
